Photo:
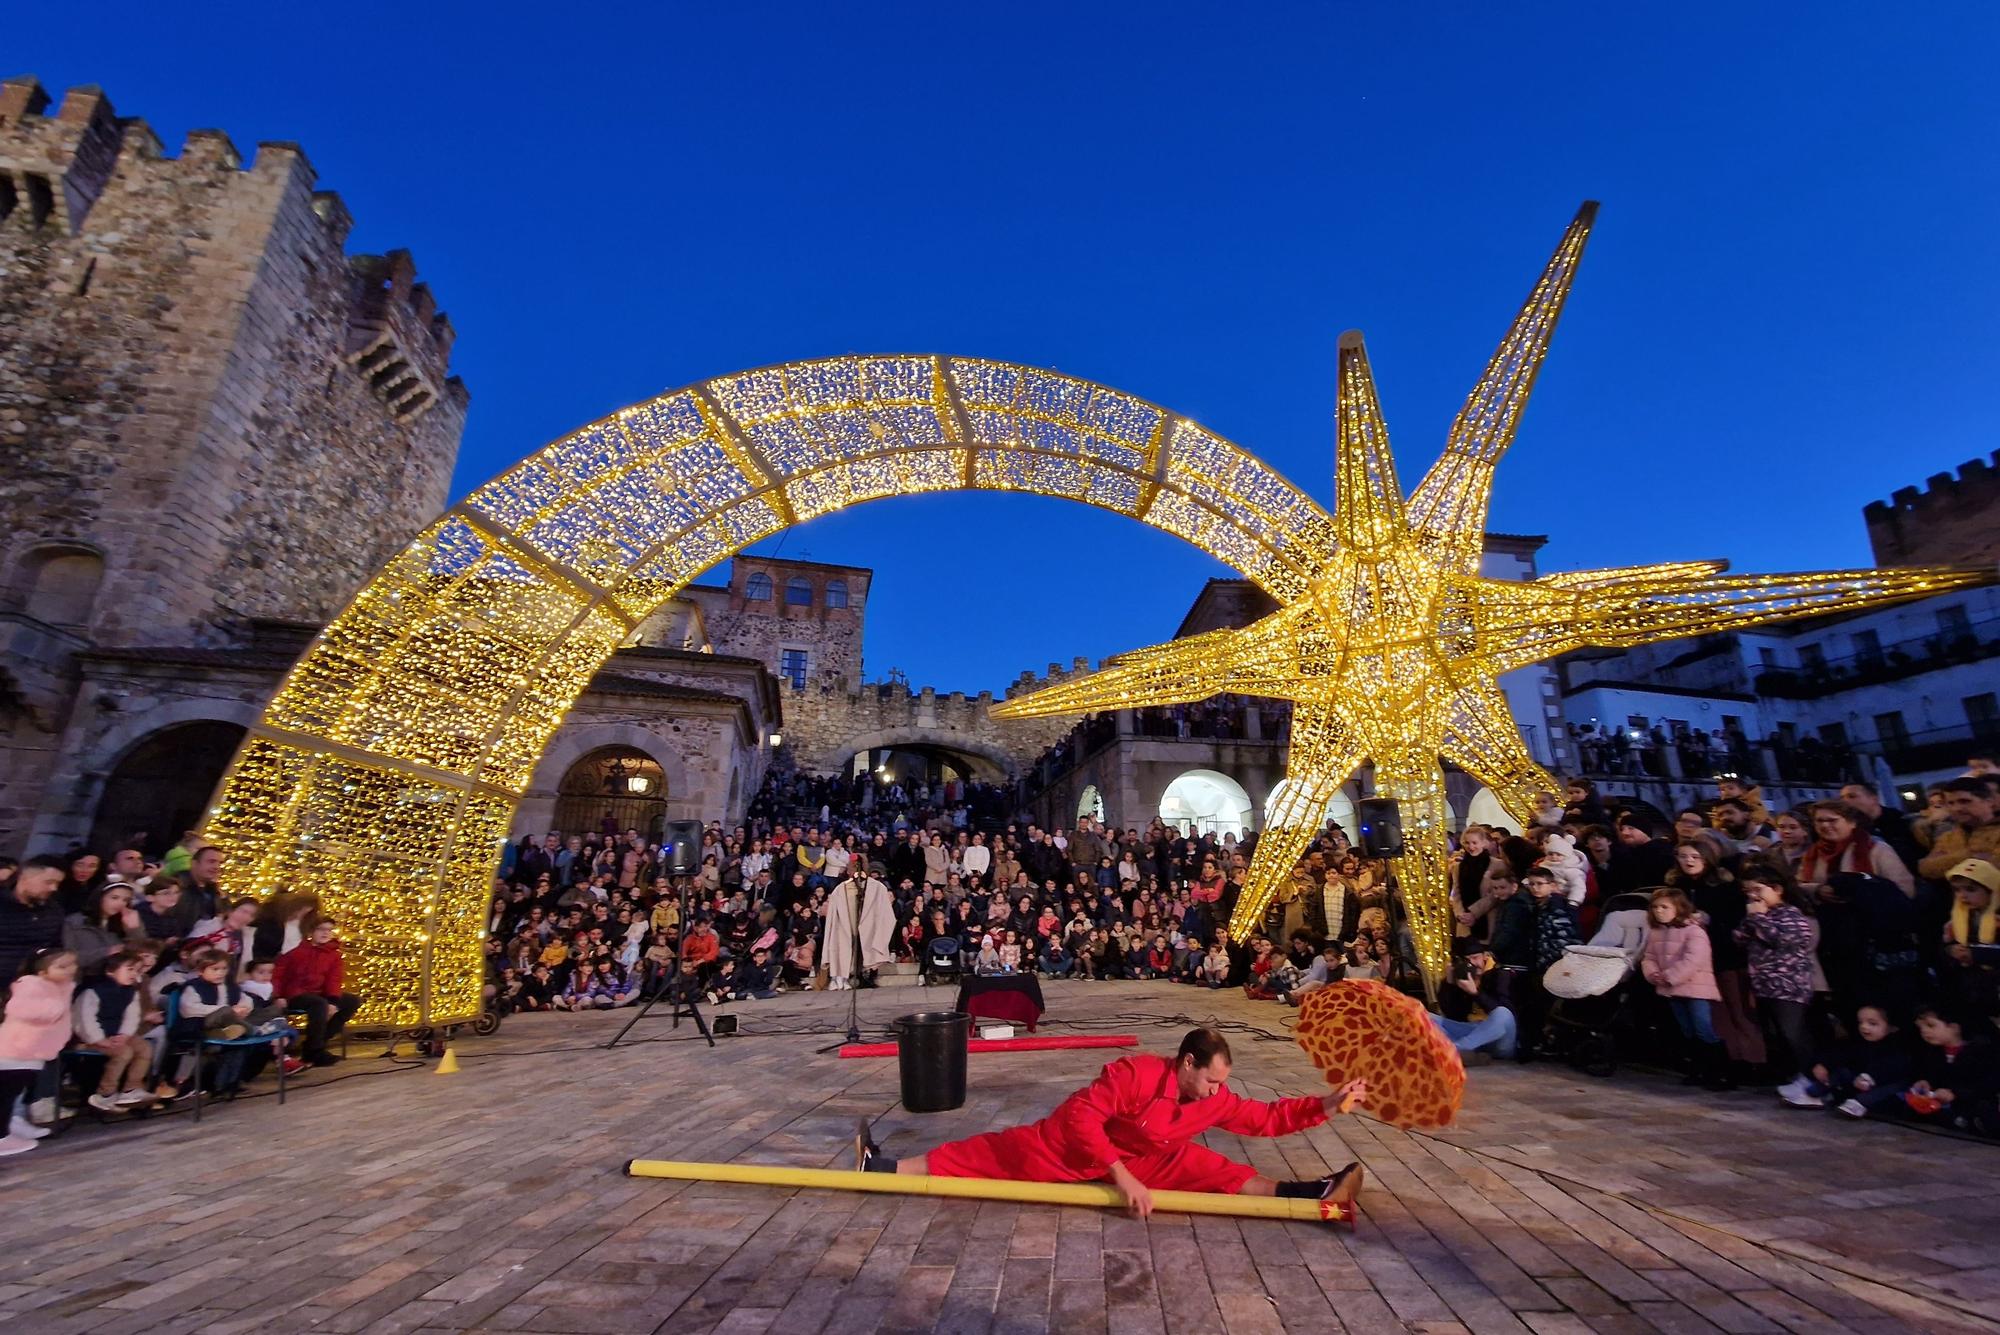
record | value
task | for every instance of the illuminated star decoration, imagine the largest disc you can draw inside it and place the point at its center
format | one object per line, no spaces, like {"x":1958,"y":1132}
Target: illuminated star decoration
{"x":1394,"y":650}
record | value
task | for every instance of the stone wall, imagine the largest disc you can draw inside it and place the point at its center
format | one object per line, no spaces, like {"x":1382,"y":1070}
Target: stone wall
{"x":209,"y":413}
{"x":178,"y":389}
{"x":764,"y":627}
{"x":1952,"y":519}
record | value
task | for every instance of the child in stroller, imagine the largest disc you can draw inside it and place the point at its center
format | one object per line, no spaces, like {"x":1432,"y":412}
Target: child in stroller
{"x":1592,"y":984}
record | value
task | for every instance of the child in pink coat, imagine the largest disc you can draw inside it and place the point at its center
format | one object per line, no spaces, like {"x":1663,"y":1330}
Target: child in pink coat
{"x":33,"y":1034}
{"x":1680,"y":965}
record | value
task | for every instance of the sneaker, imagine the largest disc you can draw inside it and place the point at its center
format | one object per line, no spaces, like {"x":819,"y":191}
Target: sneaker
{"x":15,"y":1145}
{"x":23,"y":1129}
{"x":134,"y":1096}
{"x":293,"y":1065}
{"x":105,"y":1103}
{"x":1795,"y":1095}
{"x":1852,"y":1108}
{"x":43,"y":1111}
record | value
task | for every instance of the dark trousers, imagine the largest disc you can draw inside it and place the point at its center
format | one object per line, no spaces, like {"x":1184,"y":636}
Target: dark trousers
{"x":1786,"y":1037}
{"x":325,"y":1016}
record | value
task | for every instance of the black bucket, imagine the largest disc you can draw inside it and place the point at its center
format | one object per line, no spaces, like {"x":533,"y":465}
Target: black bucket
{"x":930,"y":1052}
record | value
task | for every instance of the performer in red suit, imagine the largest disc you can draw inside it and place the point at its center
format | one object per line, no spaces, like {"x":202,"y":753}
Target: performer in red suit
{"x":1134,"y":1127}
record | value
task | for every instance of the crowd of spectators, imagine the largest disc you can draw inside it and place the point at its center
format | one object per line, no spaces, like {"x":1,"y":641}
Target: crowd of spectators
{"x":1843,"y":953}
{"x":119,"y":967}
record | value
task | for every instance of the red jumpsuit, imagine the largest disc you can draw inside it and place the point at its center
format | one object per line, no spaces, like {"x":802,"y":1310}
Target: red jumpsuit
{"x":1131,"y":1112}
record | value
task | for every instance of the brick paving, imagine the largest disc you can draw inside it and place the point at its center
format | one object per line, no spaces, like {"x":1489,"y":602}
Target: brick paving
{"x":493,"y":1199}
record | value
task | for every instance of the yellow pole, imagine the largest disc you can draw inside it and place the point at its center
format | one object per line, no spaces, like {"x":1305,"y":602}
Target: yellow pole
{"x":981,"y":1188}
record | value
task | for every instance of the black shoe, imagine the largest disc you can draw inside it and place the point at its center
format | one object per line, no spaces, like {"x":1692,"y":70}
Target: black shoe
{"x":322,"y":1059}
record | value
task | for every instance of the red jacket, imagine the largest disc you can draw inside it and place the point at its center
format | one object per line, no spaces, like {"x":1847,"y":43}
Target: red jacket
{"x":1134,"y":1108}
{"x":309,"y":969}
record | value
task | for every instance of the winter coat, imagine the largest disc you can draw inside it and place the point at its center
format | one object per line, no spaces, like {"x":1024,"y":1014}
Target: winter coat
{"x":25,"y":929}
{"x":310,"y":970}
{"x":1679,"y":962}
{"x":1559,"y":856}
{"x":1779,"y":943}
{"x":37,"y":1026}
{"x":1555,"y":930}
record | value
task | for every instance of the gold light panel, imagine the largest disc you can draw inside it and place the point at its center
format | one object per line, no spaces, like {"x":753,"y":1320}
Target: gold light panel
{"x":1391,"y":647}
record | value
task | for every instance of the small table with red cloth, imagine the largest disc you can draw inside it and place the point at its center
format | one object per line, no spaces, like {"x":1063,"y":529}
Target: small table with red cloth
{"x":1014,"y":997}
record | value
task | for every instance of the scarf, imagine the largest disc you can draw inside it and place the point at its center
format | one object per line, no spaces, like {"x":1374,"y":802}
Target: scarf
{"x":1833,"y":852}
{"x":1966,"y":932}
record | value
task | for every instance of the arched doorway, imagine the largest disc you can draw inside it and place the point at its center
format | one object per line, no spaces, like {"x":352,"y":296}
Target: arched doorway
{"x":1205,"y":801}
{"x":1339,"y":810}
{"x":161,"y":787}
{"x":436,"y":691}
{"x":611,"y":790}
{"x":1485,"y":809}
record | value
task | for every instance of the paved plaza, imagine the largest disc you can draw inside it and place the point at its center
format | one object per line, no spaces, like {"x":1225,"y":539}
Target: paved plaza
{"x":397,"y":1200}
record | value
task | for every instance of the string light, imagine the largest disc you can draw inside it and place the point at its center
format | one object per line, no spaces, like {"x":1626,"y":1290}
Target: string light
{"x":1393,"y":649}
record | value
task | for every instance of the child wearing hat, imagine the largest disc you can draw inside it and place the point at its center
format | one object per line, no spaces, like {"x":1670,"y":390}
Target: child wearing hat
{"x":1966,"y":972}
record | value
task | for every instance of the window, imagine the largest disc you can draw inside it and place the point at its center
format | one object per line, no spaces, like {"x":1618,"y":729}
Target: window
{"x":1983,"y":713}
{"x":798,"y":593}
{"x":836,"y":593}
{"x":61,"y":584}
{"x":1953,"y":620}
{"x":792,"y":667}
{"x":1891,"y":731}
{"x":1834,"y":735}
{"x":1812,"y":658}
{"x":758,"y":588}
{"x":1867,"y":646}
{"x":1767,"y":656}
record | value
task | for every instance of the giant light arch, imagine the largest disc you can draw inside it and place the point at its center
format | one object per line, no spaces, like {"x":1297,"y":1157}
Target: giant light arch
{"x":385,"y":772}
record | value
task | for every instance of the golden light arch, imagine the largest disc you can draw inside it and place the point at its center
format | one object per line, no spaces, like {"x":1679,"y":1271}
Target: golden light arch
{"x":385,"y":772}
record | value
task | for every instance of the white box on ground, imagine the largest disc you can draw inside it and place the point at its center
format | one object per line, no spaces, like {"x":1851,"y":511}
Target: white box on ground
{"x":996,"y":1031}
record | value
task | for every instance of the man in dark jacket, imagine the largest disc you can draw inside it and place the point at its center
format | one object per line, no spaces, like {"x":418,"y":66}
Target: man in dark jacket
{"x":30,"y":917}
{"x":1641,"y":857}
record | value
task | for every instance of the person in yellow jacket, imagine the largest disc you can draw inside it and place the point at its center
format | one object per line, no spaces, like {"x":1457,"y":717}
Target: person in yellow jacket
{"x":1972,"y":833}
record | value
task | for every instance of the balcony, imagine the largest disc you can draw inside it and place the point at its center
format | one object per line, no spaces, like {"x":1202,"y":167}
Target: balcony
{"x":1894,"y":662}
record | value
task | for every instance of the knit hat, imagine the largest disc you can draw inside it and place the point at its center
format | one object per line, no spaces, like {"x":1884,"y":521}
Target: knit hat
{"x":1980,"y":871}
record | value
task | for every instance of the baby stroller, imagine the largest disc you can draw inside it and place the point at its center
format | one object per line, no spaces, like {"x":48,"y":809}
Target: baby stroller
{"x":1591,"y":988}
{"x":941,"y":961}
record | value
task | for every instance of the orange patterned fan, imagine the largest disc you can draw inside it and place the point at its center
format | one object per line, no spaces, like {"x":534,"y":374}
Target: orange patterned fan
{"x":1365,"y":1030}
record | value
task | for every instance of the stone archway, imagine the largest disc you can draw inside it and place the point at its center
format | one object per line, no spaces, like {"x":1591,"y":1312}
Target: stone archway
{"x":387,"y":768}
{"x":1004,"y":765}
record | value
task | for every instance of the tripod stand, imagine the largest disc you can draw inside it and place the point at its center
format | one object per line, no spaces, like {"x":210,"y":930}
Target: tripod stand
{"x":681,"y":987}
{"x":854,"y":972}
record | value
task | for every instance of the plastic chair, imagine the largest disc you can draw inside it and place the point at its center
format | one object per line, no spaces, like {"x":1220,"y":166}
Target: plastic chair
{"x":171,"y":1008}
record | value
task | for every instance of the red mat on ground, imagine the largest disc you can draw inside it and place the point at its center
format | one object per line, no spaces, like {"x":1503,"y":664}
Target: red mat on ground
{"x":1039,"y":1044}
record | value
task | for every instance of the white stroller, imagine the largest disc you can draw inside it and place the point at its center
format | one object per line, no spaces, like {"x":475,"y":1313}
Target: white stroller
{"x":1591,"y":985}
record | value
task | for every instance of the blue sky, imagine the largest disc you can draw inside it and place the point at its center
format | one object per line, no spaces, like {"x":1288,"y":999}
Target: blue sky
{"x":1790,"y":305}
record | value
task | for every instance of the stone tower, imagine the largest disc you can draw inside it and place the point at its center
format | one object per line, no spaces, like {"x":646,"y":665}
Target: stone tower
{"x":1951,"y":519}
{"x":210,"y":414}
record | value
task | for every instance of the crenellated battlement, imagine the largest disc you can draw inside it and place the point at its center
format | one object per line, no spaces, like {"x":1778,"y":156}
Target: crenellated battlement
{"x":1028,"y":682}
{"x":1949,"y":519}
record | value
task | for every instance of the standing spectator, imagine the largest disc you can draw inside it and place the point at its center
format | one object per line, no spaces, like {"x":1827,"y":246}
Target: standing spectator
{"x":1972,"y":831}
{"x":310,"y":979}
{"x":34,"y":1030}
{"x":1778,"y":939}
{"x":1844,"y":845}
{"x":1887,"y":824}
{"x":201,"y":886}
{"x":1701,"y":876}
{"x":31,"y":919}
{"x":1679,"y":963}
